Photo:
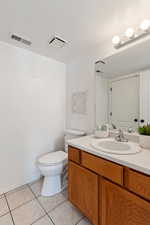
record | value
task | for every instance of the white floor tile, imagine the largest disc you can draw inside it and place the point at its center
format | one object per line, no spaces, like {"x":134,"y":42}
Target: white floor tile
{"x":26,"y":209}
{"x":6,"y":220}
{"x":50,"y":203}
{"x":65,"y":193}
{"x":19,"y":197}
{"x":3,"y":206}
{"x":43,"y":221}
{"x":16,"y":189}
{"x":36,"y":187}
{"x":65,"y":214}
{"x":28,"y":213}
{"x":1,"y":196}
{"x":84,"y":222}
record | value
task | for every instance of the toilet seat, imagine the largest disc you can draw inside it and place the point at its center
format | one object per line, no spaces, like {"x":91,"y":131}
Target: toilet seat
{"x":53,"y":158}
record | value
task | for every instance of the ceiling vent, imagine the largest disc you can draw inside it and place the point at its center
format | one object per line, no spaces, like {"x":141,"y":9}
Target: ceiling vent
{"x":20,"y":39}
{"x":100,"y":61}
{"x":57,"y":42}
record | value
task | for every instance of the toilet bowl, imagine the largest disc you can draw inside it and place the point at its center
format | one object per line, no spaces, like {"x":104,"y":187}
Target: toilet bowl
{"x":53,"y":165}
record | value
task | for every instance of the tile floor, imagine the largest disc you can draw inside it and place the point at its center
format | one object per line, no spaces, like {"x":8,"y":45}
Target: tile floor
{"x":25,"y":206}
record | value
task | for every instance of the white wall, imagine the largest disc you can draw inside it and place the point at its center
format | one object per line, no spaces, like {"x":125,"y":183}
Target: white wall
{"x":80,"y":78}
{"x":32,"y":112}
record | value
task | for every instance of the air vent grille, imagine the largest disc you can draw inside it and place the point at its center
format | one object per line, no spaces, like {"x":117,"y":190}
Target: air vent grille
{"x":20,"y":39}
{"x":57,"y":42}
{"x":100,"y":61}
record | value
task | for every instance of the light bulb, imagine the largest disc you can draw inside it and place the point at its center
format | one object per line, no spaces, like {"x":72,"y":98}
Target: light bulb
{"x":116,"y":40}
{"x":145,"y":25}
{"x":129,"y":33}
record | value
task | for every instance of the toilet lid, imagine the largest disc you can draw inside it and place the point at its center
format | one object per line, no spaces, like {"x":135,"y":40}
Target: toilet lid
{"x":53,"y":158}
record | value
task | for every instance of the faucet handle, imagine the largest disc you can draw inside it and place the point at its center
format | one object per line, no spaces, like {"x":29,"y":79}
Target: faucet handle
{"x":120,"y":131}
{"x":120,"y":137}
{"x":113,"y":126}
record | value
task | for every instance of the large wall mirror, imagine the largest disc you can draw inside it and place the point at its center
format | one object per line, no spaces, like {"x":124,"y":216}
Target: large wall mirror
{"x":123,"y":88}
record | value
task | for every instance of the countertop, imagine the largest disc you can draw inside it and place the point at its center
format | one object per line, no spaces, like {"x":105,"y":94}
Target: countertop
{"x":139,"y":162}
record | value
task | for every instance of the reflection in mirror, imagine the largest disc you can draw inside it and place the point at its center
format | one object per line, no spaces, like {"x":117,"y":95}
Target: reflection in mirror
{"x":101,"y":100}
{"x":123,"y":89}
{"x":124,"y":102}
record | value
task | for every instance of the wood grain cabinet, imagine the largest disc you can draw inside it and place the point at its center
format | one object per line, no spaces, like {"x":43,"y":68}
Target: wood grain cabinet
{"x":74,"y":155}
{"x":120,"y":207}
{"x":83,"y":191}
{"x":103,"y":167}
{"x":107,"y":193}
{"x":138,"y":183}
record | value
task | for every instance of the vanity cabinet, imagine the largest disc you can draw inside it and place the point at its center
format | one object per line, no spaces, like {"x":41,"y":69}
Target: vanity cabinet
{"x":138,"y":183}
{"x":107,"y":193}
{"x":120,"y":207}
{"x":83,"y":191}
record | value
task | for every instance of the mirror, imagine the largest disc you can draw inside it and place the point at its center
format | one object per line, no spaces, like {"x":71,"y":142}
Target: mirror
{"x":124,"y":102}
{"x":123,"y":88}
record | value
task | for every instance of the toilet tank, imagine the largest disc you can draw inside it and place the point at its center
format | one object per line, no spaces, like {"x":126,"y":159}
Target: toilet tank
{"x":71,"y":134}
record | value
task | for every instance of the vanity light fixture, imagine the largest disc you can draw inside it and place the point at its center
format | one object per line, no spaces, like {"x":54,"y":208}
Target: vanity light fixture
{"x":116,"y":40}
{"x":132,"y":34}
{"x":145,"y":25}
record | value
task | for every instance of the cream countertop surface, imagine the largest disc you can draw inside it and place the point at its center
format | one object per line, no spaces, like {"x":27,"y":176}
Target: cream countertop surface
{"x":139,"y":161}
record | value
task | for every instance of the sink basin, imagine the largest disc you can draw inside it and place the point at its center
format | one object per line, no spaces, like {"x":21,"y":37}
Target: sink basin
{"x":112,"y":146}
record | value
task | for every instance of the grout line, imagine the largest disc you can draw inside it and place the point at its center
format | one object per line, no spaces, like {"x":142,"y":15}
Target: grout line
{"x":5,"y":194}
{"x":57,"y":206}
{"x":50,"y":219}
{"x":38,"y":219}
{"x":83,"y":219}
{"x":9,"y":210}
{"x":7,"y":206}
{"x":22,"y":204}
{"x":47,"y":213}
{"x":16,"y":190}
{"x":54,"y":209}
{"x":79,"y":220}
{"x":4,"y":214}
{"x":1,"y":196}
{"x":35,"y":198}
{"x":41,"y":205}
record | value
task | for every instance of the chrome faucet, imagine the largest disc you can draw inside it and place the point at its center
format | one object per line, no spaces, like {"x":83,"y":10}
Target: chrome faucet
{"x":120,"y":137}
{"x":113,"y":126}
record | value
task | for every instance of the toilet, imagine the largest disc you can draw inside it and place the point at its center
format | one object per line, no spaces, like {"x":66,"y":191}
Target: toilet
{"x":53,"y":164}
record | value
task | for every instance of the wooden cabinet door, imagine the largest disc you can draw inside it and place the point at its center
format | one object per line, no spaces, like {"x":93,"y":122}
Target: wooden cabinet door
{"x":83,"y":191}
{"x":120,"y":207}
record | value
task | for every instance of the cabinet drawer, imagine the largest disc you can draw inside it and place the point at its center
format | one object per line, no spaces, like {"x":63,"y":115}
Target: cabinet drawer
{"x":138,"y":183}
{"x":74,"y":154}
{"x":103,"y":167}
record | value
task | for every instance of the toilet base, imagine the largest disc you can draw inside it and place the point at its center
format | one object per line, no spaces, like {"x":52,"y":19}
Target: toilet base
{"x":51,"y":185}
